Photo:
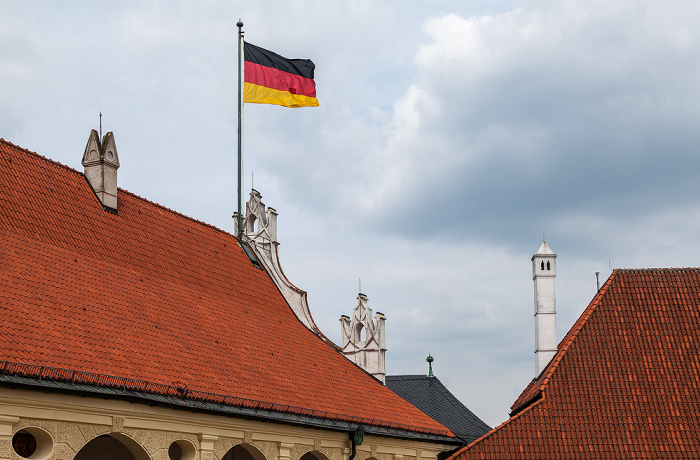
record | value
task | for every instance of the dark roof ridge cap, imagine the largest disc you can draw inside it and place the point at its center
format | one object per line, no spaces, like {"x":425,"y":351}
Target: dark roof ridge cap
{"x":541,"y":381}
{"x":497,"y":428}
{"x":451,"y":399}
{"x":177,"y":213}
{"x":655,"y":270}
{"x":411,"y":377}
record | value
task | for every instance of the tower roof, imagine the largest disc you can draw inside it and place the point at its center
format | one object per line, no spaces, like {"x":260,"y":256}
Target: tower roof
{"x":544,"y":249}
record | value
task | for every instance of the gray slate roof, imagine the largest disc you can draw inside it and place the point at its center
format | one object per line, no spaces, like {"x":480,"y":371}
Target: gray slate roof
{"x":432,"y":397}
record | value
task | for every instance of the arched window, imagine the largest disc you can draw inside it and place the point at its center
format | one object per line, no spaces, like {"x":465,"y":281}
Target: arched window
{"x":113,"y":446}
{"x":252,"y":223}
{"x":360,"y":333}
{"x":314,"y":455}
{"x":542,"y":265}
{"x":547,"y":265}
{"x":244,"y":452}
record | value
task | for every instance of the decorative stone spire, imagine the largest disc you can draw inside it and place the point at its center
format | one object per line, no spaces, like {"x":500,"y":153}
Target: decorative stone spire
{"x":101,"y":162}
{"x":259,"y":224}
{"x":363,"y":339}
{"x":544,"y":270}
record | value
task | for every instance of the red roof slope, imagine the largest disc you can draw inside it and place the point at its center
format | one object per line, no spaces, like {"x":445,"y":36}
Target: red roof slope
{"x":152,"y":295}
{"x":625,"y":382}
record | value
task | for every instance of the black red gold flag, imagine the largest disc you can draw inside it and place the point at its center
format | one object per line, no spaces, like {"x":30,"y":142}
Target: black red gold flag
{"x":273,"y":79}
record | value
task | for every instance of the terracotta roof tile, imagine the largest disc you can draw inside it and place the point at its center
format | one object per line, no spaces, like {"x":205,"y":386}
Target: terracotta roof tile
{"x":151,"y":295}
{"x":624,"y":381}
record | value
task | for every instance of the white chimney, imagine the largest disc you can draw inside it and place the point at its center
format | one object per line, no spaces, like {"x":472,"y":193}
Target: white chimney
{"x":544,"y":270}
{"x":101,"y":163}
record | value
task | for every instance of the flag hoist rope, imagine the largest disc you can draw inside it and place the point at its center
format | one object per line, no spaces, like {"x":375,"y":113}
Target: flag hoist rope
{"x":240,"y":109}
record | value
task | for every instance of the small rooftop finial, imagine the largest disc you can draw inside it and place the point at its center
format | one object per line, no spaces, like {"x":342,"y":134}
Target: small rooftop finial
{"x":430,"y":360}
{"x":100,"y":126}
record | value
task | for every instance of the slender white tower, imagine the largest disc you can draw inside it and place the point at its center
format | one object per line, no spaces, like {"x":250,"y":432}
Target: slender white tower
{"x":544,"y":270}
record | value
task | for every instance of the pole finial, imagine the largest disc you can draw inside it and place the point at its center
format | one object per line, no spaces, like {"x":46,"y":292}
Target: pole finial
{"x":430,"y":360}
{"x":100,"y":126}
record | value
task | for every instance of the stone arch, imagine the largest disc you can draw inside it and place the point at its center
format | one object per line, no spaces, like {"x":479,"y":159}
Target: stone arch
{"x":314,"y":455}
{"x":244,"y":451}
{"x":252,"y":222}
{"x":362,"y":455}
{"x":360,"y":333}
{"x":112,"y":446}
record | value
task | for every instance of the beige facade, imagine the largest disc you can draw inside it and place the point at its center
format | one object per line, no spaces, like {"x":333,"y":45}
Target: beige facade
{"x":63,"y":425}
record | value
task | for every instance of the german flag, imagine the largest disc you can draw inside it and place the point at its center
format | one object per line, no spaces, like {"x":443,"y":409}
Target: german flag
{"x":273,"y":79}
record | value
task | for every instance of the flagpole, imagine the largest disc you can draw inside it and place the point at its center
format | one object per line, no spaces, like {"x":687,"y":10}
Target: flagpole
{"x":240,"y":106}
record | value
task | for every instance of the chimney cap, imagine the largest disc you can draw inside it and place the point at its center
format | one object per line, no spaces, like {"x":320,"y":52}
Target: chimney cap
{"x":545,"y":249}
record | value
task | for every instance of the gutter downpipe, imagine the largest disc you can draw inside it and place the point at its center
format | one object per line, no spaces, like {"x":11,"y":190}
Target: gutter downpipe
{"x":356,"y":437}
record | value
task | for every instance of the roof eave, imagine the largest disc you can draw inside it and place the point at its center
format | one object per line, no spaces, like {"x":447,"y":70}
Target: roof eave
{"x":133,"y":396}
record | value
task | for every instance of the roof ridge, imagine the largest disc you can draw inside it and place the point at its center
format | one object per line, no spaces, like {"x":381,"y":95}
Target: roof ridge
{"x":41,"y":157}
{"x":407,"y":376}
{"x":177,"y":213}
{"x":496,"y":429}
{"x":453,"y":401}
{"x":538,"y":386}
{"x":657,"y":270}
{"x":153,"y":203}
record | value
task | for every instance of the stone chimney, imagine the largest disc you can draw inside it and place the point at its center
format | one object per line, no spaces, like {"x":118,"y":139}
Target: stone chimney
{"x":363,"y":339}
{"x":101,"y":163}
{"x":544,"y":270}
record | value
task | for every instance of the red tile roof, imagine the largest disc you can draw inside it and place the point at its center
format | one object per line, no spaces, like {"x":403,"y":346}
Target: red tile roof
{"x":625,"y":382}
{"x":154,"y":296}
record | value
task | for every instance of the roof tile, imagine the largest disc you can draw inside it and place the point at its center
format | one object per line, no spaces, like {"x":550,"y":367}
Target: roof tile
{"x":154,"y":296}
{"x":623,"y":383}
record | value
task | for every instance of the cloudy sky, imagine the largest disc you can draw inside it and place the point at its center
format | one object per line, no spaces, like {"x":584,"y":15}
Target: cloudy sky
{"x":451,"y":135}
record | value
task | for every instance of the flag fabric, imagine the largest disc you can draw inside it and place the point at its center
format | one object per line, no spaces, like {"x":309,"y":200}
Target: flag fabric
{"x":273,"y":79}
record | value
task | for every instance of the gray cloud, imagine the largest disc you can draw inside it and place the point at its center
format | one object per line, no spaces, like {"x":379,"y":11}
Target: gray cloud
{"x":450,"y":136}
